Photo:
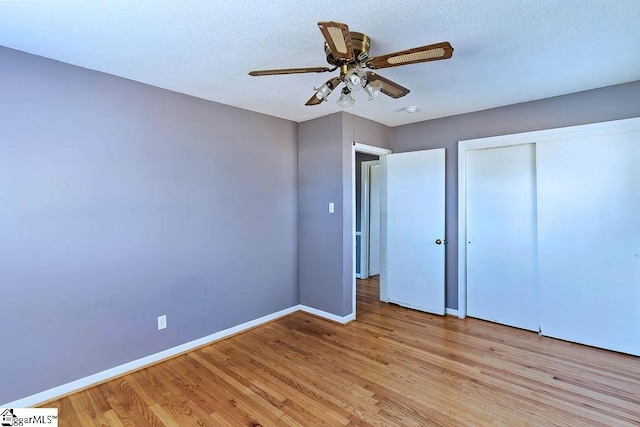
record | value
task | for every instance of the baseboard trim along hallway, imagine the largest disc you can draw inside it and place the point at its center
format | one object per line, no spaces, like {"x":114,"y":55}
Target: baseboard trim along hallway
{"x":329,"y":316}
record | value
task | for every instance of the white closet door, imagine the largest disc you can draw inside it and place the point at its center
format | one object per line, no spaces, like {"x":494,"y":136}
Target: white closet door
{"x":374,"y":220}
{"x":589,"y":240}
{"x":501,"y":236}
{"x":413,"y":229}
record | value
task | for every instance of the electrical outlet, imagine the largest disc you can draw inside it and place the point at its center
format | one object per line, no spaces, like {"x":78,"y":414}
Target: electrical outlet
{"x":162,"y":321}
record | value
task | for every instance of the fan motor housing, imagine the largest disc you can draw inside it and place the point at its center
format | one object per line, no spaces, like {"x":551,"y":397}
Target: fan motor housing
{"x":360,"y":43}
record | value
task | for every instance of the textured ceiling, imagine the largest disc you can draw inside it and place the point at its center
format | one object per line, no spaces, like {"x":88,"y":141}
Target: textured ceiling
{"x":505,"y":51}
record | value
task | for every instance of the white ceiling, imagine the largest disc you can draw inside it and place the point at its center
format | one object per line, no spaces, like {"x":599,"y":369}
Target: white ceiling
{"x":505,"y":51}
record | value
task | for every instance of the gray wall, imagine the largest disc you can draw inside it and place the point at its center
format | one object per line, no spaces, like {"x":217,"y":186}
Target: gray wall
{"x":364,"y":131}
{"x":598,"y":105}
{"x":325,"y":240}
{"x":319,"y":232}
{"x":121,"y":202}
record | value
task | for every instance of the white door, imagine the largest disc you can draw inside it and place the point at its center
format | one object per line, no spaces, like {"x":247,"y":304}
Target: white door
{"x":374,"y":220}
{"x":501,"y":236}
{"x":589,"y":240}
{"x":413,"y":229}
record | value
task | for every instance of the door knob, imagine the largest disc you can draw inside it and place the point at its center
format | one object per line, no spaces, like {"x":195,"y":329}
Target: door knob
{"x":438,"y":242}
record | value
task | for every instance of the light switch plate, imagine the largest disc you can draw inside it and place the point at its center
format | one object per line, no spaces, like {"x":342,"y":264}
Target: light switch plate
{"x":162,"y":321}
{"x":332,"y":208}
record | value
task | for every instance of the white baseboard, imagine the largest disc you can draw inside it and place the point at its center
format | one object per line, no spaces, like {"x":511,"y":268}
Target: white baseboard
{"x":148,"y":360}
{"x":451,"y":311}
{"x":329,"y":316}
{"x":85,"y":382}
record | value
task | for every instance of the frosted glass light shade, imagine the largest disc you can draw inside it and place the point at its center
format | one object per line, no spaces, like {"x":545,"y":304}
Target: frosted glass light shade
{"x":346,"y":100}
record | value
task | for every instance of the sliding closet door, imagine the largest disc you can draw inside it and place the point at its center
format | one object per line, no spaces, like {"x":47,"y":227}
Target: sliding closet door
{"x":589,"y":240}
{"x":501,"y":236}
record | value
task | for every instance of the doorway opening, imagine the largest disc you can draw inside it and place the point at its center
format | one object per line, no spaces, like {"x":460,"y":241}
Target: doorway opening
{"x":367,"y":229}
{"x":367,"y":215}
{"x":412,"y":225}
{"x":368,"y":244}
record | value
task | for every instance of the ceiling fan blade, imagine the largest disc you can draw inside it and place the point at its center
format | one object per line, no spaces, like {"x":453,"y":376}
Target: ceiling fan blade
{"x":389,"y":88}
{"x":331,"y":84}
{"x":433,"y":52}
{"x":314,"y":100}
{"x":338,"y":39}
{"x":290,"y":71}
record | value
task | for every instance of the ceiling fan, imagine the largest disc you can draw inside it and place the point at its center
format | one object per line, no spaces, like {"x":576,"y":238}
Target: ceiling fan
{"x":349,"y":51}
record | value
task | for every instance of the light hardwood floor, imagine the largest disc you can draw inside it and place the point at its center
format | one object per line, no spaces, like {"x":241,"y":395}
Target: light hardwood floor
{"x":392,"y":366}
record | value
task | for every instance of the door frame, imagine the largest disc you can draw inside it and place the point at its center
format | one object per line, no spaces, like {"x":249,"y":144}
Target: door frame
{"x":377,"y":151}
{"x":536,"y":137}
{"x":365,"y":213}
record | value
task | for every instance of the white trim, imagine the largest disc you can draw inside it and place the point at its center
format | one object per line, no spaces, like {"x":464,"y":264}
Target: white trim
{"x":462,"y":231}
{"x":384,"y":292}
{"x":369,"y":149}
{"x":615,"y":126}
{"x":148,"y":360}
{"x":451,"y":312}
{"x":329,"y":316}
{"x":353,"y":228}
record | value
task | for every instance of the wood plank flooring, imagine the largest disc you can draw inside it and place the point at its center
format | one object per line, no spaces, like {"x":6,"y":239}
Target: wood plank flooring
{"x":391,"y":367}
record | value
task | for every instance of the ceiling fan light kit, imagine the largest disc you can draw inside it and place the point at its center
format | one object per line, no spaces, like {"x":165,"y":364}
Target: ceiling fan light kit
{"x":349,"y":51}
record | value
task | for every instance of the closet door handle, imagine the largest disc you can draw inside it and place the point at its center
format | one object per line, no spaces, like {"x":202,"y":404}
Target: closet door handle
{"x":438,"y":242}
